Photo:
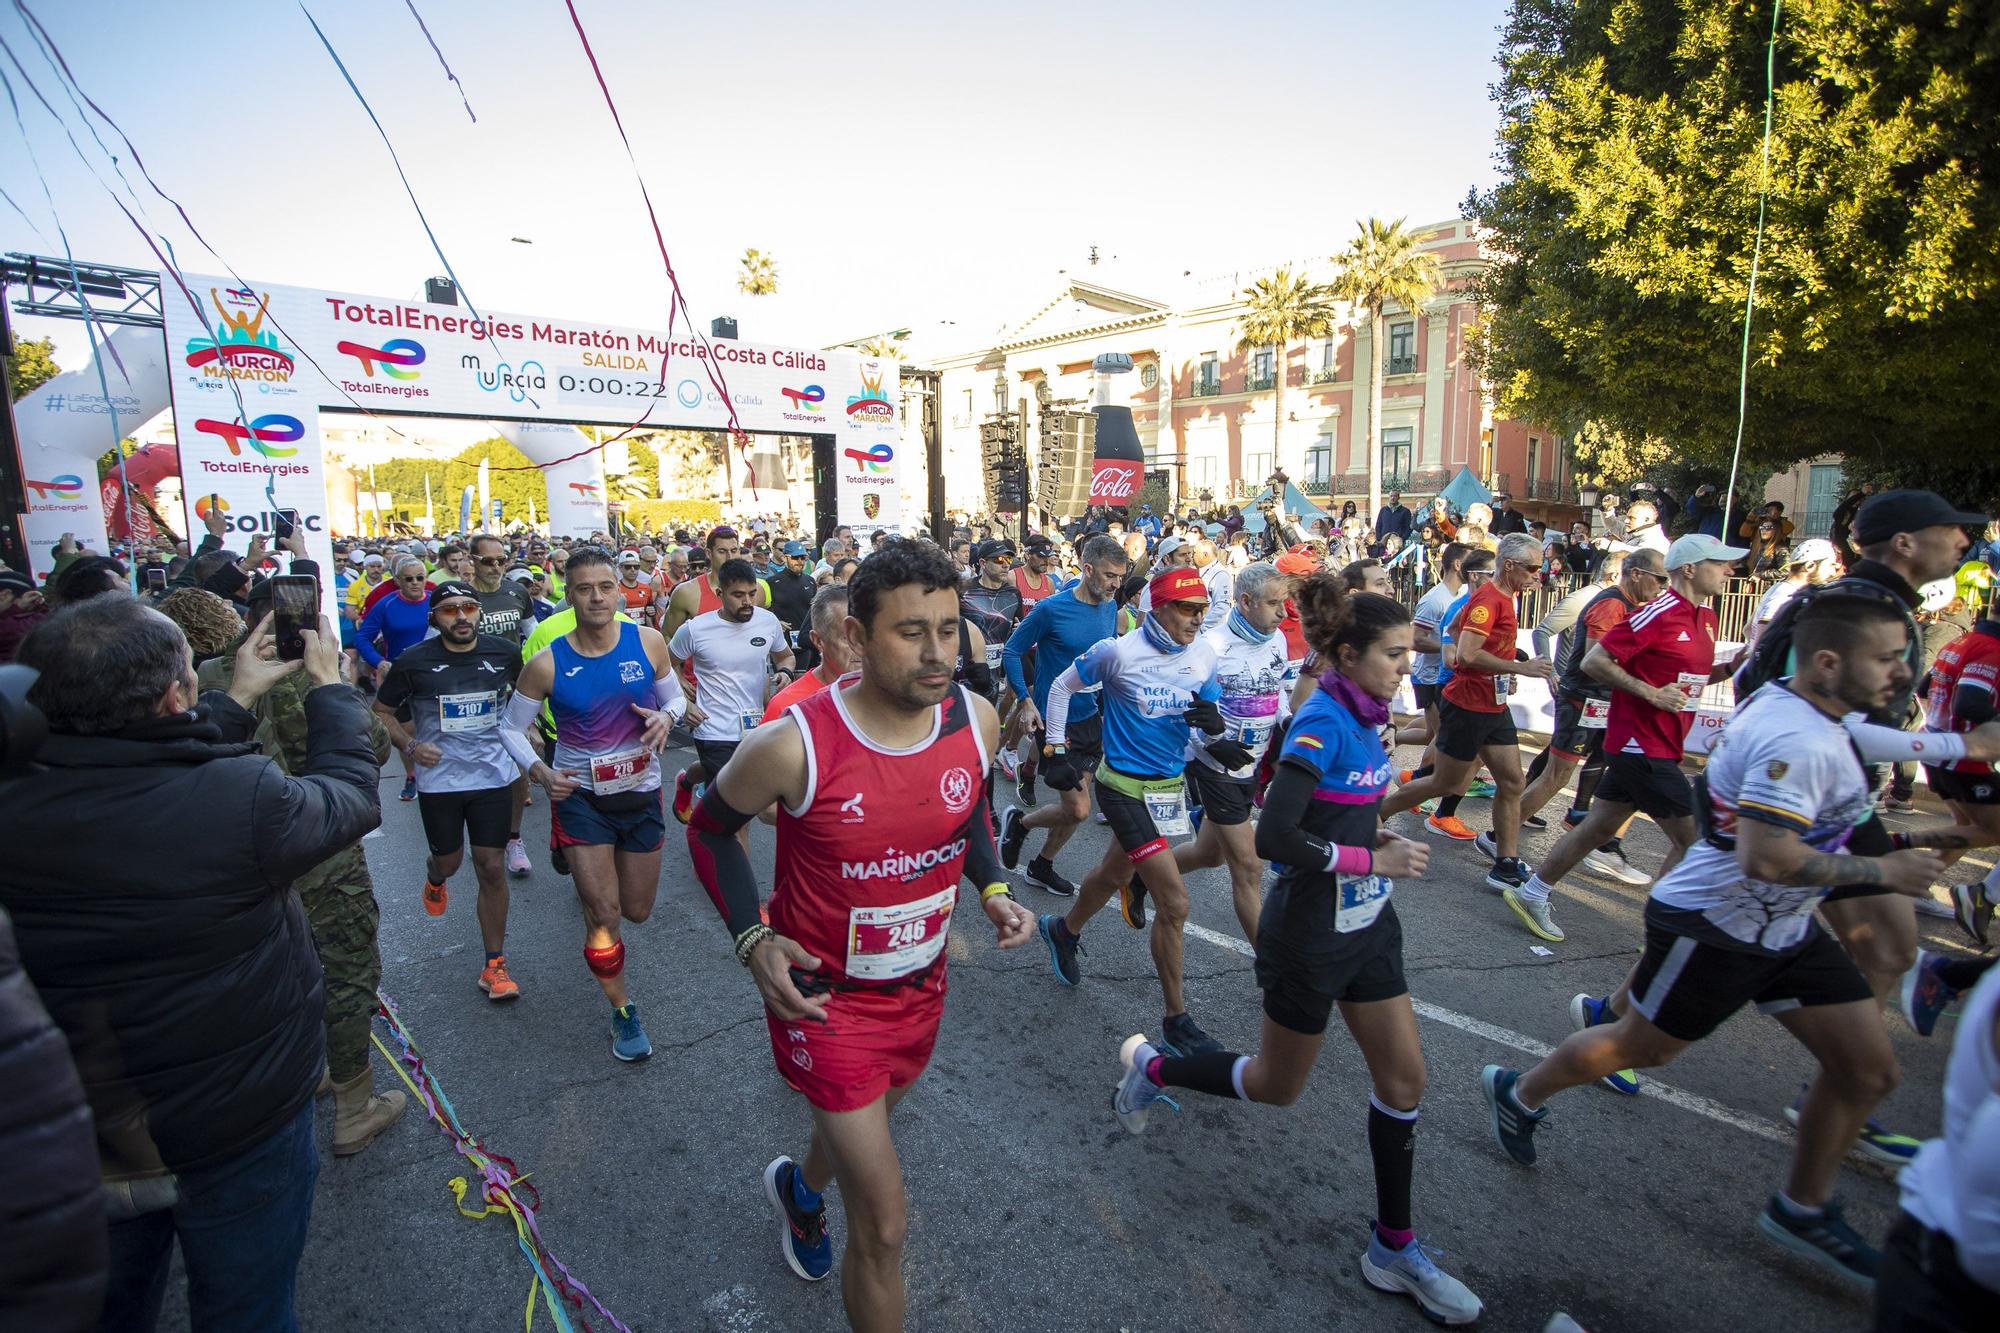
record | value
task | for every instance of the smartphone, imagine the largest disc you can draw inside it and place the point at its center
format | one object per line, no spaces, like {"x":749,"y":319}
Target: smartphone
{"x":284,"y":523}
{"x":295,"y":608}
{"x":156,"y":579}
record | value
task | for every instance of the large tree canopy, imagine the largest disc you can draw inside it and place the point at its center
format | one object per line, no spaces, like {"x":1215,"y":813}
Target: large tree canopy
{"x":1622,"y":228}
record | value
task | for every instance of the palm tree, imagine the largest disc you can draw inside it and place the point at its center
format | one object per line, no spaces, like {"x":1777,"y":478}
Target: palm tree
{"x":759,"y":275}
{"x":1279,"y":309}
{"x":1382,"y":264}
{"x":883,"y":347}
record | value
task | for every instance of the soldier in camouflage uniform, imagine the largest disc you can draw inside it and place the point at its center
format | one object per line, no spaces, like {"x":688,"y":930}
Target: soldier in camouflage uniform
{"x":339,"y":898}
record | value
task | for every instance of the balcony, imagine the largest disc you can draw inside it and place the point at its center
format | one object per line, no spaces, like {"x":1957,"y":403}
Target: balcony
{"x":1321,"y":487}
{"x":1255,"y":383}
{"x":1401,"y":365}
{"x":1325,"y":377}
{"x":1205,"y":389}
{"x":1552,"y":490}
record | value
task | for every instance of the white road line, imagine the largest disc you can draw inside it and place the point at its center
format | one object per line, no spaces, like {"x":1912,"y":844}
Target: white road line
{"x":1649,"y":1087}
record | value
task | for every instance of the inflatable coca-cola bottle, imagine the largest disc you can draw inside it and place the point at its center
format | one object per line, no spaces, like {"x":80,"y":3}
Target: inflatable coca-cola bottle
{"x":1118,"y":465}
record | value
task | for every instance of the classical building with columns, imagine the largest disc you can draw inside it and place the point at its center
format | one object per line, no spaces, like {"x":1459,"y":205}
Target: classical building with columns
{"x":1207,"y":408}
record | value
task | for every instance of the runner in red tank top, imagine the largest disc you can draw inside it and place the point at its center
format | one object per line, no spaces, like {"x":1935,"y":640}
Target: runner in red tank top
{"x":1031,"y":577}
{"x":881,"y":809}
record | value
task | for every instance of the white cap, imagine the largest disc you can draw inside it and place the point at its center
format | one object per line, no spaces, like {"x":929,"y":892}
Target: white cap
{"x":1699,"y":546}
{"x":1938,"y":594}
{"x":1813,"y":550}
{"x":357,"y":556}
{"x":1169,"y":546}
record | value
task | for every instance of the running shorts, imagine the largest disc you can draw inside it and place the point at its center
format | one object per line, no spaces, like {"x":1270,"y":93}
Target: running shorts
{"x":1656,"y":786}
{"x":1687,"y":988}
{"x":1427,"y":695}
{"x":1870,"y":838}
{"x":1463,"y":733}
{"x":872,"y":1041}
{"x":1224,"y":800}
{"x":1306,"y":967}
{"x":1085,"y":738}
{"x":1131,"y":822}
{"x":712,"y":755}
{"x":1572,"y":740}
{"x":483,"y":817}
{"x":1964,"y":788}
{"x":629,"y":821}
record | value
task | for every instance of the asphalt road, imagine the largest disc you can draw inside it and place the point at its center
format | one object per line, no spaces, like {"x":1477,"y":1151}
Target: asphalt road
{"x":1030,"y":1208}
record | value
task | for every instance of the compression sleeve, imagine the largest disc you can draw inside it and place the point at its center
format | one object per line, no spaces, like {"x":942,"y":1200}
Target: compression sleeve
{"x":667,"y":694}
{"x":1281,"y":835}
{"x":1055,"y":719}
{"x":721,"y":863}
{"x":1972,"y":703}
{"x":514,"y":725}
{"x":982,"y":858}
{"x":1892,"y":745}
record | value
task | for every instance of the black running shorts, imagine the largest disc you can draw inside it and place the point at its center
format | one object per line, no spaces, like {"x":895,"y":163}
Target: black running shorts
{"x":1656,"y":786}
{"x":712,"y":755}
{"x":1131,"y":822}
{"x":1571,"y":739}
{"x":1462,"y":733}
{"x":452,"y":819}
{"x":1964,"y":788}
{"x":1427,"y":695}
{"x":1223,"y":800}
{"x":1305,"y":968}
{"x":1085,"y":738}
{"x":1687,"y":988}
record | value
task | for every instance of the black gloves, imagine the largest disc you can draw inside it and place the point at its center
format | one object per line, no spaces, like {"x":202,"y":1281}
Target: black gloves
{"x":1060,"y":773}
{"x":1204,"y":713}
{"x":1230,"y":753}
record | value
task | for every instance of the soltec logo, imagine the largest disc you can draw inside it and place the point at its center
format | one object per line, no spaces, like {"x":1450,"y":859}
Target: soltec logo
{"x":393,"y":356}
{"x":806,"y":401}
{"x":66,"y":487}
{"x":876,"y":458}
{"x":239,"y":348}
{"x":263,"y":434}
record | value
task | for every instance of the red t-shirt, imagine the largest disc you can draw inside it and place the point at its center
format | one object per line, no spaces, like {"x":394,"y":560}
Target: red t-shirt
{"x":1668,"y":641}
{"x":1972,"y":661}
{"x":1489,"y":612}
{"x":805,"y":687}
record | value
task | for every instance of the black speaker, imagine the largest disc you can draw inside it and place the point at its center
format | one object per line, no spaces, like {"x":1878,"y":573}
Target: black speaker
{"x":1062,"y":483}
{"x":722,"y":326}
{"x":440,"y":291}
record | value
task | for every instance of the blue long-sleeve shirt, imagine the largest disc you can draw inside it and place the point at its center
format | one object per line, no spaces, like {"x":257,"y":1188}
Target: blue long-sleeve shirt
{"x":398,"y":622}
{"x":1057,"y":632}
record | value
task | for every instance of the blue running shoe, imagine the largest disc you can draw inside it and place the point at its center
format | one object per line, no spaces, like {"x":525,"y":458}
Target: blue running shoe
{"x":1481,"y":790}
{"x":1412,"y":1271}
{"x":409,"y":792}
{"x":1195,"y":817}
{"x":1585,"y":1012}
{"x":802,"y":1237}
{"x":628,"y":1039}
{"x":1924,"y":993}
{"x":1876,"y":1143}
{"x":1825,"y":1238}
{"x":1181,"y":1035}
{"x":1063,"y":949}
{"x":1133,"y":1095}
{"x":1513,"y":1124}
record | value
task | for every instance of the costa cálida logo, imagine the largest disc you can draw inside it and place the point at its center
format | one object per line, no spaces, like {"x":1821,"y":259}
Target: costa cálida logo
{"x":239,"y":348}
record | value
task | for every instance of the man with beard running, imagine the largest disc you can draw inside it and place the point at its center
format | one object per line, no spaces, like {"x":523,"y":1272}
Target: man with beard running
{"x":876,"y":780}
{"x":506,"y":612}
{"x":1157,"y":683}
{"x":454,"y":687}
{"x":728,"y":652}
{"x":993,"y":604}
{"x":615,"y":699}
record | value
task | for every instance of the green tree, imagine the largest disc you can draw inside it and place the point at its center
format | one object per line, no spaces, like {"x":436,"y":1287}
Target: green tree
{"x":757,"y":273}
{"x":1382,"y":266}
{"x":1622,"y":229}
{"x":1278,"y":311}
{"x":32,"y":365}
{"x":403,"y":478}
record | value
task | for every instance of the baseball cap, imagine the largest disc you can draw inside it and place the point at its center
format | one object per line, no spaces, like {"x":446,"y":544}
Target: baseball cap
{"x":521,"y":574}
{"x":1813,"y":550}
{"x":628,"y":557}
{"x":793,"y":548}
{"x":374,"y":558}
{"x":449,"y":589}
{"x":993,"y":548}
{"x":1037,"y":542}
{"x":1295,"y":563}
{"x":1699,"y":546}
{"x":1887,"y":513}
{"x":13,"y":580}
{"x":1169,"y":545}
{"x":1178,"y":585}
{"x":357,"y":557}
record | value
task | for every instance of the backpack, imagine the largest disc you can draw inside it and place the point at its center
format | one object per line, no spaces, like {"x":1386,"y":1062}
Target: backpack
{"x":1772,"y":659}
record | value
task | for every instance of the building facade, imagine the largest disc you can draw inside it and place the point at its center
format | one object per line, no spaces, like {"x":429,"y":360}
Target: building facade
{"x":1211,"y":414}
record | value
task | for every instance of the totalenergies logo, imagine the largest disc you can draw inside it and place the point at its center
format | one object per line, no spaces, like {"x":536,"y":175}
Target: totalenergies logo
{"x":876,"y":458}
{"x":806,"y":401}
{"x":264,"y":434}
{"x":240,"y":349}
{"x":585,"y":490}
{"x":205,"y":505}
{"x":871,"y":404}
{"x":65,"y":487}
{"x":393,"y":356}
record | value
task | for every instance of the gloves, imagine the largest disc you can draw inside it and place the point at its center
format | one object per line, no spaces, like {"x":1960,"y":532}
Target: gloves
{"x":1232,"y":754}
{"x":1060,"y":773}
{"x":1204,"y":713}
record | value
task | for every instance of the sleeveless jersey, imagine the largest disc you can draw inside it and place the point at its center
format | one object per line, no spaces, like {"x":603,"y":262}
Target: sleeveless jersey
{"x":868,"y":865}
{"x":597,"y":733}
{"x":1030,"y":592}
{"x":1972,"y":661}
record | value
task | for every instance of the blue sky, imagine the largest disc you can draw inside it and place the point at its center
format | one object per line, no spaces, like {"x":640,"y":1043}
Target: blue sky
{"x":906,"y":165}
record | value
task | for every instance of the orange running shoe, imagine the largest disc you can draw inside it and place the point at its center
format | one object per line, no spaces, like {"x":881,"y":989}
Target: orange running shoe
{"x":686,"y":793}
{"x":435,"y":898}
{"x":1451,"y":826}
{"x":1403,"y":778}
{"x":496,"y":983}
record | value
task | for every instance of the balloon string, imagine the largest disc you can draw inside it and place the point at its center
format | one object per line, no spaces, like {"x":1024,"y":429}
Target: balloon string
{"x":425,"y":29}
{"x":1756,"y":255}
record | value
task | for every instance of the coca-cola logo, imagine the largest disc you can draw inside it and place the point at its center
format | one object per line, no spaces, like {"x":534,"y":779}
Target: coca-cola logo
{"x":1113,"y":481}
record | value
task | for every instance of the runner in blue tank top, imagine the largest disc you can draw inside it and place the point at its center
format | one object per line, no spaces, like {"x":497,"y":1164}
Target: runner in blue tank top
{"x":609,"y":685}
{"x":1329,"y":934}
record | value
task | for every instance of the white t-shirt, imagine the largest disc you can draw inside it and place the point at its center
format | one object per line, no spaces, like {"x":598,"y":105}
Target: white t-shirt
{"x":730,"y":661}
{"x":1430,"y":614}
{"x":1220,"y":581}
{"x":1953,"y":1186}
{"x":1254,"y":678}
{"x":1780,"y":761}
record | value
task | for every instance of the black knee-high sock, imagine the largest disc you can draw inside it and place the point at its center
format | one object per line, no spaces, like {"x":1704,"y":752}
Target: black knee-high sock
{"x":1392,"y":1142}
{"x":1586,"y":782}
{"x":1448,"y":806}
{"x":1212,"y":1072}
{"x":1538,"y":765}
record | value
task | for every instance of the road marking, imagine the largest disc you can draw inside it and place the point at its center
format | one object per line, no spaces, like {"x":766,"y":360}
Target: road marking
{"x":1651,"y":1087}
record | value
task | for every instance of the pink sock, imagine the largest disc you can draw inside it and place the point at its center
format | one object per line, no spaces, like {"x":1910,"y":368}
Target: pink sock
{"x":1395,"y":1240}
{"x":1153,"y":1070}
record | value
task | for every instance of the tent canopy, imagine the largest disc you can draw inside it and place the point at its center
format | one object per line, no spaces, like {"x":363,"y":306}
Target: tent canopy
{"x":1294,"y":503}
{"x":1465,"y":490}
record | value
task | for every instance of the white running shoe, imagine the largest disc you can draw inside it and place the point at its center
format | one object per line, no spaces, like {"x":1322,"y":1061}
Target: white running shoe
{"x":517,"y":858}
{"x":1135,"y":1092}
{"x":1613,"y":865}
{"x":1412,"y":1272}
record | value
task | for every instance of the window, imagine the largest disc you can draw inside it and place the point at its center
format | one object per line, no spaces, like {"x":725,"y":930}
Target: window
{"x":1319,"y":462}
{"x":1534,"y":463}
{"x":1396,"y":448}
{"x":1208,"y":380}
{"x":1261,"y":373}
{"x":1201,"y":474}
{"x":1403,"y":347}
{"x":1822,"y":498}
{"x":1329,"y":355}
{"x":1256,"y":470}
{"x":965,"y":417}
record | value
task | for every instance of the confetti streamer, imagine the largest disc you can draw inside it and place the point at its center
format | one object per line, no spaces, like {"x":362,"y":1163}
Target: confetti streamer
{"x":425,"y":29}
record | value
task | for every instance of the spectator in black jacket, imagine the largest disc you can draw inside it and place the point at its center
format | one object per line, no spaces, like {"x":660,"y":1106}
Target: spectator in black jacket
{"x":1394,"y":519}
{"x":1506,"y":518}
{"x":150,"y":862}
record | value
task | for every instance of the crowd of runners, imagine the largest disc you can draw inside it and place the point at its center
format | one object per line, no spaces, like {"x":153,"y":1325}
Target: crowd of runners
{"x":893,"y":724}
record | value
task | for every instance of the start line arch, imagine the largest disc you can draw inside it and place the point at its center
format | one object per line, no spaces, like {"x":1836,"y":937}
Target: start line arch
{"x":286,"y":353}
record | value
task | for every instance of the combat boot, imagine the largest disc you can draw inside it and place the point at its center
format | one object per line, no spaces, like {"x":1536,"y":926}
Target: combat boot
{"x":360,"y":1113}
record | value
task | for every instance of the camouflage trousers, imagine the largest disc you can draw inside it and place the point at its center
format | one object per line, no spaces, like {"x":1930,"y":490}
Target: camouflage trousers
{"x":339,"y":899}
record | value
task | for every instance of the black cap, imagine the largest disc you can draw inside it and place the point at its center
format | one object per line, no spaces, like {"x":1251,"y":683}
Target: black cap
{"x":1037,"y":542}
{"x":992,"y":549}
{"x":1887,"y":513}
{"x":451,"y":588}
{"x":13,"y":580}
